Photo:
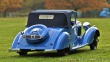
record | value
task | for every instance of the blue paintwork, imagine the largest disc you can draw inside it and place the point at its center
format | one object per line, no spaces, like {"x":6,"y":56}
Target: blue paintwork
{"x":54,"y":38}
{"x":105,"y":12}
{"x":54,"y":33}
{"x":63,"y":41}
{"x":59,"y":38}
{"x":86,"y":39}
{"x":15,"y":42}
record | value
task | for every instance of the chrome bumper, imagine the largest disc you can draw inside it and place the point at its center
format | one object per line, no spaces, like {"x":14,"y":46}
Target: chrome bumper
{"x":18,"y":50}
{"x":14,"y":50}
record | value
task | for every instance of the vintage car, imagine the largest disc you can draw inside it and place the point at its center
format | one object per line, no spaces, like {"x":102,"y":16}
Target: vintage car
{"x":54,"y":30}
{"x":105,"y":13}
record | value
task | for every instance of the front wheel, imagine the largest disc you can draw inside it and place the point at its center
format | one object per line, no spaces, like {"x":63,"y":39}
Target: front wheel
{"x":93,"y":45}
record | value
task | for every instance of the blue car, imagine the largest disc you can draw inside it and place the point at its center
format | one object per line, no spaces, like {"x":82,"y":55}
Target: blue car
{"x":55,"y":30}
{"x":105,"y":13}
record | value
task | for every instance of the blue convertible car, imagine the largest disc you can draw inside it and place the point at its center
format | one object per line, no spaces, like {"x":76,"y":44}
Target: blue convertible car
{"x":58,"y":30}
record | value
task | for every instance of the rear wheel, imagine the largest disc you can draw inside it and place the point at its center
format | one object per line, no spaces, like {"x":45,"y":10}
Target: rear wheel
{"x":23,"y":52}
{"x":93,"y":45}
{"x":64,"y":52}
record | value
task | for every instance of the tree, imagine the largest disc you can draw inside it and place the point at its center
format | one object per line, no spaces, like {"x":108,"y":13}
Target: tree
{"x":30,"y":5}
{"x":78,"y":5}
{"x":108,"y":1}
{"x":10,"y":5}
{"x":38,"y":4}
{"x":56,"y":4}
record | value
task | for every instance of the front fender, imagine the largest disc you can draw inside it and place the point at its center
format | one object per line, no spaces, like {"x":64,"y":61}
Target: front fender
{"x":88,"y":37}
{"x":14,"y":44}
{"x":63,"y":41}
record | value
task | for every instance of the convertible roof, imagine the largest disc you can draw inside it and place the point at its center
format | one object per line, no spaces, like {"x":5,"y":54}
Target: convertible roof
{"x":53,"y":11}
{"x":60,"y":18}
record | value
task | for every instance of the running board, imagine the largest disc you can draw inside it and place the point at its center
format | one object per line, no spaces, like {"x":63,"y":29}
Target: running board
{"x":79,"y":46}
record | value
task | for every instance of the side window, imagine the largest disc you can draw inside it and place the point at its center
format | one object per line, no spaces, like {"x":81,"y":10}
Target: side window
{"x":72,"y":17}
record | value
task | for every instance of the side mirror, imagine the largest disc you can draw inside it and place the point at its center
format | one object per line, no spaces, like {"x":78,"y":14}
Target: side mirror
{"x":86,"y":25}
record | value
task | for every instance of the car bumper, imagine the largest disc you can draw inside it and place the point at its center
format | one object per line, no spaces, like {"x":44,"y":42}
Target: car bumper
{"x":18,"y":50}
{"x":14,"y":50}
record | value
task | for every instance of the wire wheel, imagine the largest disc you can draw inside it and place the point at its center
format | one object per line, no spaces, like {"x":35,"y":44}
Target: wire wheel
{"x":93,"y":45}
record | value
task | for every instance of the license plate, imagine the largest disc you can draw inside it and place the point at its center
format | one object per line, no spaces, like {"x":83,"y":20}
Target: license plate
{"x":32,"y":36}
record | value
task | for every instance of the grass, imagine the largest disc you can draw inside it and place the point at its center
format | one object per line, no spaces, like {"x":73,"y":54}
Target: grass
{"x":9,"y":27}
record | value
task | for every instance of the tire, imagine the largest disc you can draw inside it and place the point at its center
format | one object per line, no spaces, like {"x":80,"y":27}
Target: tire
{"x":64,"y":52}
{"x":22,"y":53}
{"x":94,"y":44}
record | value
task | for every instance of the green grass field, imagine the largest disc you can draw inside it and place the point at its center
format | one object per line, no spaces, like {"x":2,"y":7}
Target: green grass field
{"x":9,"y":27}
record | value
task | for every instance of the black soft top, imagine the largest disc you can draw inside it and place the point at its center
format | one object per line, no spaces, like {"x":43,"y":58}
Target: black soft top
{"x":60,"y":18}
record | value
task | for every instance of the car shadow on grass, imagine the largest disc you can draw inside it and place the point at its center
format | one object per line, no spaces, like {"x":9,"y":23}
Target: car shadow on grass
{"x":52,"y":54}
